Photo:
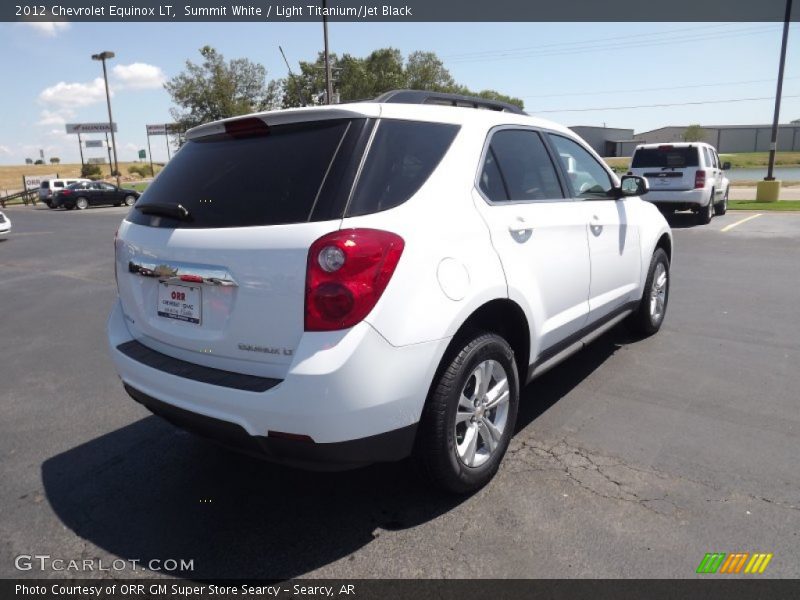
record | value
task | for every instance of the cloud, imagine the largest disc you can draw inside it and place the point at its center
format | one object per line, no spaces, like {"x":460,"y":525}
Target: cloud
{"x":72,"y":95}
{"x":48,"y":28}
{"x":5,"y":150}
{"x":139,"y":76}
{"x":55,"y":117}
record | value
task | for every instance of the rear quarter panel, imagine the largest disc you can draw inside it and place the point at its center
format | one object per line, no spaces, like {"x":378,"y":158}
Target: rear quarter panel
{"x":448,"y":268}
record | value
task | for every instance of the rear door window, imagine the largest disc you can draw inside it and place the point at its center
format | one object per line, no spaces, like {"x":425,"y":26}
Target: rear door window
{"x":518,"y":167}
{"x":284,"y":174}
{"x":402,"y":156}
{"x":665,"y":157}
{"x":58,"y":184}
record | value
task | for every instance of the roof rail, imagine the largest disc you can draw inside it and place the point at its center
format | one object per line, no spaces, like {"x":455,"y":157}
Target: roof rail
{"x":443,"y":99}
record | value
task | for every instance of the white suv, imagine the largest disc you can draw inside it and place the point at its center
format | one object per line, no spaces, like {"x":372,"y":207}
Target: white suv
{"x":684,"y":176}
{"x":335,"y":286}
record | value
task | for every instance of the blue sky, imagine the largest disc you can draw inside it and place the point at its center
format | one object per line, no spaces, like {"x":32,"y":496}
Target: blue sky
{"x":555,"y":68}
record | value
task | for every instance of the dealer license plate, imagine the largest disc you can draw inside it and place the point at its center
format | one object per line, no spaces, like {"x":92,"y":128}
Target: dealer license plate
{"x":181,"y":302}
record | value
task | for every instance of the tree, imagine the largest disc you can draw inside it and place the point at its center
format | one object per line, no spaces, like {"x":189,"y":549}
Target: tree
{"x":91,"y":171}
{"x":694,"y":133}
{"x":425,"y":71}
{"x":38,"y":161}
{"x":366,"y":78}
{"x":217,"y":89}
{"x":54,"y":160}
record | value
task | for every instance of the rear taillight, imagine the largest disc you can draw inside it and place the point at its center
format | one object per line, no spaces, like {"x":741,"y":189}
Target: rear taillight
{"x":700,"y":179}
{"x":346,"y":274}
{"x":65,"y":192}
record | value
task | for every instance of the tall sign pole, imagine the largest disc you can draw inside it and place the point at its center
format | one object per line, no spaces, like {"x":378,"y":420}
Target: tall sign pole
{"x":80,"y":149}
{"x":774,"y":142}
{"x":110,"y":164}
{"x":328,"y":82}
{"x":150,"y":154}
{"x":166,"y":137}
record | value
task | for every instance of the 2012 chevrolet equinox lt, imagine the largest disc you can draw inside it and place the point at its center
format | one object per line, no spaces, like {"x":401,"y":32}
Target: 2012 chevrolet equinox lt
{"x":334,"y":286}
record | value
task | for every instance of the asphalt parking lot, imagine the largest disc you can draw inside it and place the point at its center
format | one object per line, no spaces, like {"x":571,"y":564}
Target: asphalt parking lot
{"x":632,"y":459}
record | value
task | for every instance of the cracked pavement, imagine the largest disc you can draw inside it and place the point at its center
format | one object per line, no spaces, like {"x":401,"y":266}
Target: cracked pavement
{"x":632,"y":459}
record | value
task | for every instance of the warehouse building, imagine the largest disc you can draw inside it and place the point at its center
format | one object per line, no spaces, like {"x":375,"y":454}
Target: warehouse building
{"x":727,"y":139}
{"x":605,"y":140}
{"x":730,"y":139}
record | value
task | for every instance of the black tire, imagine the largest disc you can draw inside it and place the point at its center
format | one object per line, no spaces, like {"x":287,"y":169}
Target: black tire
{"x":69,"y":206}
{"x":643,"y":321}
{"x":722,"y":206}
{"x":437,"y":434}
{"x":705,"y":213}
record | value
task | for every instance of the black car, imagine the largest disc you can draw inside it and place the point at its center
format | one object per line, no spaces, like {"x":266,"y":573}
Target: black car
{"x":94,"y":193}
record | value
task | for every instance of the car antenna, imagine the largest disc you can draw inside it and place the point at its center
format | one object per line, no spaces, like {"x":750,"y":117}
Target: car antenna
{"x":291,"y":75}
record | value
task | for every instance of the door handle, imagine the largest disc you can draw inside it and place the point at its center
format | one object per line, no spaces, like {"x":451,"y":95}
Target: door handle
{"x":520,"y":226}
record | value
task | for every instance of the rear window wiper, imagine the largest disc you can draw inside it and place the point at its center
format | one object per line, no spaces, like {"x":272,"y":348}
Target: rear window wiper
{"x":174,"y":211}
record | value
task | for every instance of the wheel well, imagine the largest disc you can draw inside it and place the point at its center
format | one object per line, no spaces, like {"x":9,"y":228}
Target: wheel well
{"x":666,"y":243}
{"x":505,"y":318}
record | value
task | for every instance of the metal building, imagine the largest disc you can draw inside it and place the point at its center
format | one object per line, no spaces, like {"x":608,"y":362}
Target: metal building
{"x":729,"y":139}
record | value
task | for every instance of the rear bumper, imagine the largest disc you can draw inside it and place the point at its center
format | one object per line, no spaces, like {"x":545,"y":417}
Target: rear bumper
{"x":678,"y":199}
{"x":357,"y":397}
{"x":390,"y":446}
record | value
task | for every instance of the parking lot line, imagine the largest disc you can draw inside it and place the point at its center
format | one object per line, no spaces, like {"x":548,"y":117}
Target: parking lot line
{"x":737,"y":223}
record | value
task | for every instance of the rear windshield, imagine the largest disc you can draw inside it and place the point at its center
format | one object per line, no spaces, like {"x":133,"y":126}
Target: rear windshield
{"x":46,"y":184}
{"x":665,"y":157}
{"x":295,"y":173}
{"x":276,"y":177}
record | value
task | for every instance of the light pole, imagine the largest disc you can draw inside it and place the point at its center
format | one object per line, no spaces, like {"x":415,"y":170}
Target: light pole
{"x":328,"y":83}
{"x":102,"y":57}
{"x":768,"y":190}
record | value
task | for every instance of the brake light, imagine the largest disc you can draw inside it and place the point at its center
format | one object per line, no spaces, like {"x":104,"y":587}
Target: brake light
{"x":700,"y":179}
{"x":244,"y":128}
{"x":346,"y":275}
{"x":66,"y":192}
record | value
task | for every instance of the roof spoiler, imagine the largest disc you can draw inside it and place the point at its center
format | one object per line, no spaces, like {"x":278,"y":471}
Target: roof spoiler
{"x":443,"y":99}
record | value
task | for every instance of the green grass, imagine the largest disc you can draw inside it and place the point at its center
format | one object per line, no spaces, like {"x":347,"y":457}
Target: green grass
{"x":140,"y":187}
{"x":750,"y":160}
{"x":780,"y":206}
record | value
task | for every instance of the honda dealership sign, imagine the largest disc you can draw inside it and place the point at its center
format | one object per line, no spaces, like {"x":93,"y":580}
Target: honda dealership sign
{"x":89,"y":127}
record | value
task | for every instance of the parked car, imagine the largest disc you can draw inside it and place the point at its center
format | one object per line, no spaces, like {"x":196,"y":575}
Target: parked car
{"x":386,"y":285}
{"x":5,"y":225}
{"x":94,"y":193}
{"x":49,"y":187}
{"x":684,"y":176}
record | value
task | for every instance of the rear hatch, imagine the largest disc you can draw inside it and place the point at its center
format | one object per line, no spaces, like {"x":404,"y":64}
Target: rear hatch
{"x":211,"y":261}
{"x":667,"y":167}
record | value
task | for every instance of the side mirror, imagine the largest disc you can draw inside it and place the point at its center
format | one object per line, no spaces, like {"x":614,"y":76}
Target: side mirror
{"x":726,"y":166}
{"x":633,"y":185}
